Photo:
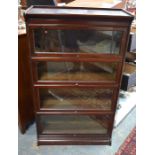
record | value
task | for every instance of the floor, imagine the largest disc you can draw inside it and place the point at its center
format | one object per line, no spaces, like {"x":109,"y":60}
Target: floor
{"x":126,"y":102}
{"x":27,"y":142}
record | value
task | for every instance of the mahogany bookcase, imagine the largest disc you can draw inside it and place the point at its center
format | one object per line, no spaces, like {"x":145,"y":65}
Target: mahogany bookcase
{"x":76,"y":58}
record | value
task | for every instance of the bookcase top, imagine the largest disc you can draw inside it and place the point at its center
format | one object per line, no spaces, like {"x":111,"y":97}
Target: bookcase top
{"x":43,"y":11}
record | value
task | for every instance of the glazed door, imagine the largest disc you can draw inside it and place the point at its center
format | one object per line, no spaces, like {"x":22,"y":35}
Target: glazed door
{"x":73,"y":71}
{"x":74,"y":98}
{"x":77,"y":41}
{"x":73,"y":124}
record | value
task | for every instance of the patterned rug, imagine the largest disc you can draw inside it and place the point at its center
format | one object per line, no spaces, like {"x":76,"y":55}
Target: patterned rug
{"x":129,"y":145}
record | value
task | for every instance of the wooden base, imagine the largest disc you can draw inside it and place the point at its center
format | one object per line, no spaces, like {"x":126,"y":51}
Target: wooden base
{"x":62,"y":140}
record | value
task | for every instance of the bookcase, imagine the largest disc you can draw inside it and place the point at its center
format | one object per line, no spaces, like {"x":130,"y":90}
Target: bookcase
{"x":76,"y":58}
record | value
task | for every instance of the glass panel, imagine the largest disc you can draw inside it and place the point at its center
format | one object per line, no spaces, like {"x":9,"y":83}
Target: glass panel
{"x":76,"y":71}
{"x":83,"y":41}
{"x":75,"y":98}
{"x":73,"y":124}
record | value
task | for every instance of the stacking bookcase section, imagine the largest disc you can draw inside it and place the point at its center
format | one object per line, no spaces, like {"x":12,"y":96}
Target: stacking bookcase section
{"x":76,"y":57}
{"x":76,"y":41}
{"x":75,"y":71}
{"x":75,"y":98}
{"x":74,"y":127}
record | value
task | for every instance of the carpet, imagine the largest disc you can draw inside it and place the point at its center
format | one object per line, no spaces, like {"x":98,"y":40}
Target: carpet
{"x":129,"y":145}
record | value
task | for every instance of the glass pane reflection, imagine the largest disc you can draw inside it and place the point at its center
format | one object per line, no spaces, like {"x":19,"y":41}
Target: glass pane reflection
{"x":75,"y":98}
{"x":82,"y":41}
{"x":73,"y":124}
{"x":76,"y":71}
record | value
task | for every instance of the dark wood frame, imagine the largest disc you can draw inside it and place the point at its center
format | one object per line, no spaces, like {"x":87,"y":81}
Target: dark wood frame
{"x":74,"y":21}
{"x":26,"y":114}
